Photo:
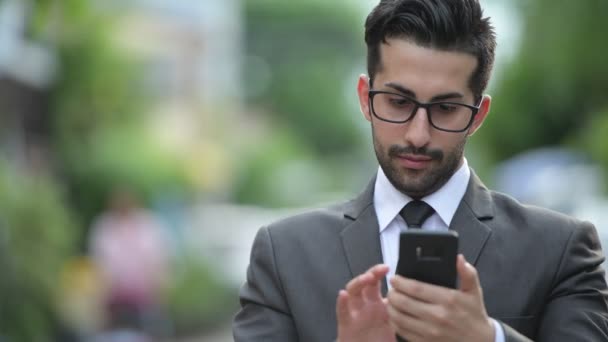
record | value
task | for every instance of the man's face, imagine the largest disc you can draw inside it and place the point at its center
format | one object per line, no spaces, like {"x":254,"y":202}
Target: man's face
{"x":417,"y":158}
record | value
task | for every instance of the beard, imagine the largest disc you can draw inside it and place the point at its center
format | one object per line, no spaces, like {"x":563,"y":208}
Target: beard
{"x":419,"y":183}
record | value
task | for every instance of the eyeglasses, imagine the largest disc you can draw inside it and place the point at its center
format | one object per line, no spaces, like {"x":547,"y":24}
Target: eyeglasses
{"x":444,"y":116}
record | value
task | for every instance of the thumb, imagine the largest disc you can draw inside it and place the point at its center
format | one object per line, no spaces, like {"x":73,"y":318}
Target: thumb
{"x":469,"y":280}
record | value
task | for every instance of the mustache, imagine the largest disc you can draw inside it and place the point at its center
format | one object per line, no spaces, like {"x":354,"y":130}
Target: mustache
{"x":396,"y":151}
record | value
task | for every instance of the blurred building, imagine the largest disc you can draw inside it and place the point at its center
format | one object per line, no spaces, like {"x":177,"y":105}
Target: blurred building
{"x":191,"y":57}
{"x":190,"y":50}
{"x":27,"y":68}
{"x":191,"y":54}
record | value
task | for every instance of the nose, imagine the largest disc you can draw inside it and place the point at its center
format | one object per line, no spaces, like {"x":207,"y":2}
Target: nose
{"x":418,"y":129}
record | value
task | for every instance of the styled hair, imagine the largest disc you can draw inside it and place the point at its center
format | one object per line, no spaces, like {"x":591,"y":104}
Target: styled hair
{"x":449,"y":25}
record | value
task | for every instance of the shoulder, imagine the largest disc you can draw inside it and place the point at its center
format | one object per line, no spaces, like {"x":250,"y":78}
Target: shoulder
{"x":329,"y":219}
{"x":536,"y":221}
{"x":507,"y":205}
{"x":309,"y":233}
{"x":297,"y":239}
{"x":546,"y":243}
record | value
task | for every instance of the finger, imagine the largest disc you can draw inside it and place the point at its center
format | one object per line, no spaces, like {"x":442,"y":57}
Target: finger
{"x":359,"y":288}
{"x":371,"y":293}
{"x":379,"y":271}
{"x":422,"y":291}
{"x":342,"y":308}
{"x":407,"y":305}
{"x":372,"y":275}
{"x":357,"y":284}
{"x":408,"y":327}
{"x":355,"y":288}
{"x":469,"y":281}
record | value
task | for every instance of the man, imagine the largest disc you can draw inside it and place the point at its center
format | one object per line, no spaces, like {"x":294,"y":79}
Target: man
{"x":429,"y":62}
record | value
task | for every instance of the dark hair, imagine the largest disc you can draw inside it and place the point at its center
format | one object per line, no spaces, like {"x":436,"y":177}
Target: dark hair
{"x":451,"y":25}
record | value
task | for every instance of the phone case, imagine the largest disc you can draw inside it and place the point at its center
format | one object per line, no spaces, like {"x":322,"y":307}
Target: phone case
{"x":429,"y":256}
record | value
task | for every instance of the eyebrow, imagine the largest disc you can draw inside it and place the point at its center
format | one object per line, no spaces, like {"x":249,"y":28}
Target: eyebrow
{"x":411,"y":93}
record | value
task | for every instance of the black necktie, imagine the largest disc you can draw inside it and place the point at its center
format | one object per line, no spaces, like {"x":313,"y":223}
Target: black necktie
{"x":415,"y":213}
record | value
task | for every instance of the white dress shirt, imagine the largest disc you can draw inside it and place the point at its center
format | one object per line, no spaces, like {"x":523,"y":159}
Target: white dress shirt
{"x":389,"y":201}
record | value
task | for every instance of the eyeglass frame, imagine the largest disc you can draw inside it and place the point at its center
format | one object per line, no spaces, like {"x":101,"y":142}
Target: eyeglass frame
{"x":418,"y":105}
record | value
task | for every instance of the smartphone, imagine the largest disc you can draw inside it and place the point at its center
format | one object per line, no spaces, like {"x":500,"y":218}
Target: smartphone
{"x":429,"y":256}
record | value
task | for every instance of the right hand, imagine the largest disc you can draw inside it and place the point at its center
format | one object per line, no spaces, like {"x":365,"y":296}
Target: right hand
{"x":362,"y":312}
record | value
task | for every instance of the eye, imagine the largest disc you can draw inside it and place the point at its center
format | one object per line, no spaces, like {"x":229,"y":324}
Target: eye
{"x":400,"y":102}
{"x":446,"y":108}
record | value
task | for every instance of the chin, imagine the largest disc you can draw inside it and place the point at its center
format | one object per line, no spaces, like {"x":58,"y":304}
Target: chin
{"x":414,"y":191}
{"x":416,"y":183}
{"x":411,"y":183}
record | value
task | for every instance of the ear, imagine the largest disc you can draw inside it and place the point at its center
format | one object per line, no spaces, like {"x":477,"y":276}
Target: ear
{"x":482,"y":113}
{"x":363,"y":92}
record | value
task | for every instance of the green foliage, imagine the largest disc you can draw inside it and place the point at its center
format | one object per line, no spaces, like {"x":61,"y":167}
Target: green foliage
{"x":98,"y":86}
{"x":35,"y":241}
{"x":303,"y":52}
{"x":557,"y":84}
{"x":97,"y":89}
{"x":198,"y":300}
{"x":99,"y":131}
{"x":309,"y":47}
{"x":125,"y":156}
{"x":258,"y":182}
{"x":593,"y":139}
{"x":315,"y":107}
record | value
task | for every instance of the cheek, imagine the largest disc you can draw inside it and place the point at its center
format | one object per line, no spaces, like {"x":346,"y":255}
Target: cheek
{"x":387,"y":132}
{"x":448,"y":143}
{"x":451,"y":142}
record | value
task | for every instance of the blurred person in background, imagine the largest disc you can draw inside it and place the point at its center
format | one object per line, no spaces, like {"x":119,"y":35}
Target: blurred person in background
{"x":525,"y":273}
{"x":129,"y":247}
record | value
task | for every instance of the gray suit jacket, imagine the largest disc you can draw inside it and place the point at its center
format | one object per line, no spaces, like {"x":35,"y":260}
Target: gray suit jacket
{"x":539,"y":270}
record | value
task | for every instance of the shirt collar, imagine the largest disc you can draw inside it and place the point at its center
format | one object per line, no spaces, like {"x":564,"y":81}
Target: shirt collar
{"x":389,"y":201}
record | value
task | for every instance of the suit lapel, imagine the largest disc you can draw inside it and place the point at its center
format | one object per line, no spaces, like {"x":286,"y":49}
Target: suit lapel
{"x":361,"y":238}
{"x":475,"y":208}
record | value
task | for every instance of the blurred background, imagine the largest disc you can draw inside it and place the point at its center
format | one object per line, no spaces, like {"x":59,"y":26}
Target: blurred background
{"x":144,"y":142}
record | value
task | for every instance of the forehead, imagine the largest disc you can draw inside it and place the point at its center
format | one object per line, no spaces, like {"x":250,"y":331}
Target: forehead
{"x":425,"y":70}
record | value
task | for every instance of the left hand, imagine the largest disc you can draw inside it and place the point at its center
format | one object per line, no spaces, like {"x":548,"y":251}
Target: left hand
{"x":361,"y":311}
{"x":424,"y":312}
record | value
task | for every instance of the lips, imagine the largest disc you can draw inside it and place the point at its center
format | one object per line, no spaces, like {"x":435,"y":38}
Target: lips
{"x":415,"y":162}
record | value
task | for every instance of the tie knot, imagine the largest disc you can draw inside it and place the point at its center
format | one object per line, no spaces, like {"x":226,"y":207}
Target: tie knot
{"x":415,"y":213}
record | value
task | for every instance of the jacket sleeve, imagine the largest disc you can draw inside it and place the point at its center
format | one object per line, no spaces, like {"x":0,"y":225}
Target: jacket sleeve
{"x":577,"y":307}
{"x":264,"y":313}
